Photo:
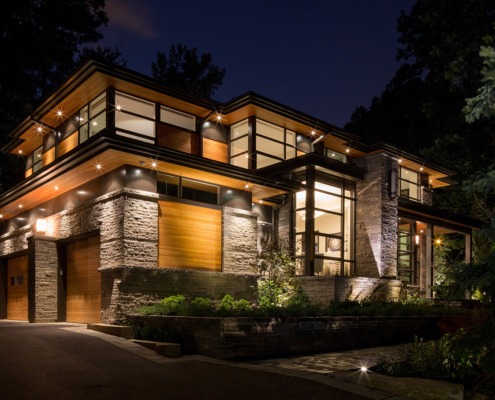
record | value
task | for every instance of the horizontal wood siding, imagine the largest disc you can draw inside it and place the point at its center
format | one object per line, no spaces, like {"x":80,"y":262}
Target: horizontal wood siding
{"x":68,"y":144}
{"x":83,"y":303}
{"x":17,"y":288}
{"x":177,"y":139}
{"x":49,"y":156}
{"x":215,"y":150}
{"x":189,"y":237}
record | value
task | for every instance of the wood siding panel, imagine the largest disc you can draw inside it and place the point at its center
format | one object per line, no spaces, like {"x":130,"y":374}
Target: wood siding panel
{"x":83,"y":303}
{"x":189,"y":237}
{"x":49,"y":156}
{"x":17,"y":294}
{"x":215,"y":150}
{"x":177,"y":139}
{"x":68,"y":144}
{"x":28,"y":173}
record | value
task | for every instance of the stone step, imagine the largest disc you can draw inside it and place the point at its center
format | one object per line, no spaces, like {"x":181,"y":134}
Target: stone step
{"x":115,"y":330}
{"x":162,"y":348}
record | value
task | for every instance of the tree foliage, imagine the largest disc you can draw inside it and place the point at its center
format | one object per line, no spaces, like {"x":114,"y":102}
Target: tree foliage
{"x":184,"y":69}
{"x":42,"y":42}
{"x":420,"y":110}
{"x":483,"y":104}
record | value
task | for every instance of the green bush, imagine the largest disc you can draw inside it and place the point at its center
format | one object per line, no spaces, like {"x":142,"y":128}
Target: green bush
{"x":199,"y":306}
{"x":466,"y":357}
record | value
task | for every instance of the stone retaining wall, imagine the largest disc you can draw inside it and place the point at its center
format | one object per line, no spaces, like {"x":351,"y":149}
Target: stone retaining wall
{"x":230,"y":338}
{"x":125,"y":290}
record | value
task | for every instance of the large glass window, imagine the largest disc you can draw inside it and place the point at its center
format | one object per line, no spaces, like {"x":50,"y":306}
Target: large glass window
{"x":273,"y":144}
{"x":135,"y":117}
{"x":37,"y":159}
{"x":409,"y":184}
{"x":406,"y":251}
{"x":239,"y":144}
{"x":175,"y":186}
{"x":333,"y":221}
{"x":92,"y":118}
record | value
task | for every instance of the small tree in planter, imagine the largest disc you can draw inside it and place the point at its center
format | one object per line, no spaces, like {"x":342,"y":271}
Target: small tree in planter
{"x":277,"y":286}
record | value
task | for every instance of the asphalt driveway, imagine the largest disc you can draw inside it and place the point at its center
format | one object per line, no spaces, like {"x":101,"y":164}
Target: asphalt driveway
{"x":65,"y":361}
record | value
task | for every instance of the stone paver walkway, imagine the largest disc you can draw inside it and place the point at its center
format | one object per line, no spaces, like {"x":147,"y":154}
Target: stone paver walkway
{"x":326,"y":363}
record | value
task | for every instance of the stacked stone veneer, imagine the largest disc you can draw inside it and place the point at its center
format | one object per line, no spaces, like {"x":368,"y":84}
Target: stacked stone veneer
{"x":254,"y":337}
{"x":125,"y":290}
{"x":324,"y":289}
{"x":127,"y":221}
{"x":43,"y":280}
{"x":239,"y":241}
{"x":376,"y":219}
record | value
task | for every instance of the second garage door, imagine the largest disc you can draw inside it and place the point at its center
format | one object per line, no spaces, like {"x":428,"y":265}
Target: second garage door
{"x":83,"y":302}
{"x":17,"y":288}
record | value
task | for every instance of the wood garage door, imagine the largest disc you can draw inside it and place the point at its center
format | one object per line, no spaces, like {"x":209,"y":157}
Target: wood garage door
{"x":17,"y":288}
{"x":83,"y":302}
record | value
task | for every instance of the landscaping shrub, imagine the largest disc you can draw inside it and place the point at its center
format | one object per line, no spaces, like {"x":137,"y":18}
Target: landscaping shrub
{"x":466,"y":357}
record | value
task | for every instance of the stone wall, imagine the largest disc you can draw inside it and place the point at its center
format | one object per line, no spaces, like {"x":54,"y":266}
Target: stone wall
{"x":325,"y":289}
{"x":239,"y":241}
{"x":282,"y":222}
{"x":127,"y":221}
{"x":319,"y":289}
{"x":426,"y":196}
{"x":361,"y":289}
{"x":376,"y":219}
{"x":125,"y":290}
{"x":16,"y":241}
{"x":44,"y":267}
{"x":230,"y":338}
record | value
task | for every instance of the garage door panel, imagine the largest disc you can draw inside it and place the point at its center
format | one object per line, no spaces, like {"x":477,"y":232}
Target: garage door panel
{"x":83,"y":281}
{"x":17,"y":288}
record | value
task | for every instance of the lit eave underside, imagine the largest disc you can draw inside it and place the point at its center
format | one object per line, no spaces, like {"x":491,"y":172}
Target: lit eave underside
{"x":41,"y":187}
{"x":75,"y":93}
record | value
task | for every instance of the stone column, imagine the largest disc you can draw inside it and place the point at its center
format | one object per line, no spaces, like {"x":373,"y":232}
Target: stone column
{"x":376,"y":218}
{"x":43,"y":274}
{"x":239,"y":241}
{"x":140,"y":230}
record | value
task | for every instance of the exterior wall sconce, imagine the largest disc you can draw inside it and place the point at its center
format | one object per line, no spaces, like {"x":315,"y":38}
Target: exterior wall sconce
{"x":392,"y":183}
{"x":416,"y":238}
{"x":41,"y":225}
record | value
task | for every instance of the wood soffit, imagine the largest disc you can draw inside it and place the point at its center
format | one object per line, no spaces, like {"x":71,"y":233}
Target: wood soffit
{"x":93,"y":78}
{"x":51,"y":184}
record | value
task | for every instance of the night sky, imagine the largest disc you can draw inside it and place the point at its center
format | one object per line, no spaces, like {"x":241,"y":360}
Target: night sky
{"x":322,"y":57}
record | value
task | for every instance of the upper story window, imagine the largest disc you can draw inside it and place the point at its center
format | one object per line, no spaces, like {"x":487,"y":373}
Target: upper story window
{"x":273,"y":144}
{"x":239,"y":144}
{"x":175,"y":186}
{"x":37,"y":159}
{"x":409,"y":184}
{"x":134,"y":118}
{"x":335,"y":155}
{"x":92,"y":118}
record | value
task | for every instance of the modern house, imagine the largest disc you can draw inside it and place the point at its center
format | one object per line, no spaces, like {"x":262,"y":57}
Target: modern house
{"x":134,"y":191}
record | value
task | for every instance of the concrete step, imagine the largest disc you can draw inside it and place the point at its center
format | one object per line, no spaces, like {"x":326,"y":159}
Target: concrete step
{"x":115,"y":330}
{"x":162,"y":348}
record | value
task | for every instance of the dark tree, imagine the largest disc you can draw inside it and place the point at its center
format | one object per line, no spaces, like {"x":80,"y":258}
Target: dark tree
{"x":184,"y":69}
{"x":40,"y":44}
{"x":421,"y":108}
{"x":105,"y":55}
